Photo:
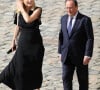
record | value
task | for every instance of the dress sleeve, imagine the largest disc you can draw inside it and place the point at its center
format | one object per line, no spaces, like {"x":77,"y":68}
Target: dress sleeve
{"x":15,"y":18}
{"x":39,"y":15}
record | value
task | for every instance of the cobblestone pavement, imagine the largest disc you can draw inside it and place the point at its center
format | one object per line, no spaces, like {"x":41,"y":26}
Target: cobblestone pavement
{"x":52,"y":11}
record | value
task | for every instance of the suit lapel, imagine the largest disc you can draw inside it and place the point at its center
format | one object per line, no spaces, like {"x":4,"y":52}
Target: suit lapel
{"x":75,"y":27}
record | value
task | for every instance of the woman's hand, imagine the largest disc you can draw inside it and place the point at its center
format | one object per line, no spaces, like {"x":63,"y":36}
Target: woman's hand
{"x":13,"y":45}
{"x":19,"y":5}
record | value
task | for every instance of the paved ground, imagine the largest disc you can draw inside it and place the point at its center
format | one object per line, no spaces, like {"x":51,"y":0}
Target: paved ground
{"x":52,"y":11}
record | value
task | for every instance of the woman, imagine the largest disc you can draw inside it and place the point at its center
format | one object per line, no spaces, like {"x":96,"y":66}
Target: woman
{"x":24,"y":72}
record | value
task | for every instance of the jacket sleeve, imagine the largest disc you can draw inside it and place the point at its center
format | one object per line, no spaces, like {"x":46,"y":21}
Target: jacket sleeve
{"x":90,"y":37}
{"x":60,"y":41}
{"x":60,"y":37}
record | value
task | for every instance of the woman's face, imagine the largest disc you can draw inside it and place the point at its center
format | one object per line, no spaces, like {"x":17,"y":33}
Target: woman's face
{"x":29,"y":3}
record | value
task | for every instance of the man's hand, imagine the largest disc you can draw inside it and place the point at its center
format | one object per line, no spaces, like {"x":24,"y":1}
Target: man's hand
{"x":59,"y":56}
{"x":86,"y":60}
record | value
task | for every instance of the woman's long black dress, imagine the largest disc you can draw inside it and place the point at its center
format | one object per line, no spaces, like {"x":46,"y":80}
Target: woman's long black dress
{"x":24,"y":72}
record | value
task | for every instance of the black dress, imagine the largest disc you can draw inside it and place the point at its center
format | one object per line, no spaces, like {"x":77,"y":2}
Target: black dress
{"x":24,"y":72}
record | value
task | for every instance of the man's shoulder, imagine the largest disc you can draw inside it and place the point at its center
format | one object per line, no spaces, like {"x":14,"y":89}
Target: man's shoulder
{"x":63,"y":17}
{"x":84,"y":15}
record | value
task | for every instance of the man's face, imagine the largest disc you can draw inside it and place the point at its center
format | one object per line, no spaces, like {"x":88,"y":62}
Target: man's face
{"x":71,"y":8}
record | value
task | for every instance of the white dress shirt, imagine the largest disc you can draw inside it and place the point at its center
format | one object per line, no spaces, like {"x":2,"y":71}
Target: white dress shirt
{"x":73,"y":20}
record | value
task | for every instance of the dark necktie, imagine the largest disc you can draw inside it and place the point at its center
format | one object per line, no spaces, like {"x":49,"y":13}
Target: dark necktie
{"x":70,"y":26}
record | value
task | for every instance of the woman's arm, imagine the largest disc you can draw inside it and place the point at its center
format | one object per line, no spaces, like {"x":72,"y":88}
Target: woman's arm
{"x":16,"y":33}
{"x":35,"y":15}
{"x":28,"y":18}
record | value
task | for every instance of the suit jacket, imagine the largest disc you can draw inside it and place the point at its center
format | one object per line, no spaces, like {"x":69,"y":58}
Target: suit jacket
{"x":81,"y":40}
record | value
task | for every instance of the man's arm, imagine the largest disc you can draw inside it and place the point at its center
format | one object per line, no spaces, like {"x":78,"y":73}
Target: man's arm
{"x":90,"y":41}
{"x":60,"y":41}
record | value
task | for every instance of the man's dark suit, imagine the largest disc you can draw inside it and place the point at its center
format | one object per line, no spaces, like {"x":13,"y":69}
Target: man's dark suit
{"x":73,"y":48}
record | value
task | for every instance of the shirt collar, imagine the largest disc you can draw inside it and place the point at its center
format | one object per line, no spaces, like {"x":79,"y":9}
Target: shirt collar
{"x":74,"y":17}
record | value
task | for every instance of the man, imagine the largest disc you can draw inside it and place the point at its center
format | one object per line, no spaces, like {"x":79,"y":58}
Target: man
{"x":75,"y":45}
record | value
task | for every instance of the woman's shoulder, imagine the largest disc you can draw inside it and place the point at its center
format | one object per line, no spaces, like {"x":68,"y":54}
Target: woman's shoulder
{"x":32,"y":10}
{"x":37,"y":8}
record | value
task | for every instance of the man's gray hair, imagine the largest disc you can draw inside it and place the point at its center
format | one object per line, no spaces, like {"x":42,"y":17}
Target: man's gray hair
{"x":75,"y":1}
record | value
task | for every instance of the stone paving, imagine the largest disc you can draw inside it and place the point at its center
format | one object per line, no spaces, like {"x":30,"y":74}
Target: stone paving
{"x":52,"y":11}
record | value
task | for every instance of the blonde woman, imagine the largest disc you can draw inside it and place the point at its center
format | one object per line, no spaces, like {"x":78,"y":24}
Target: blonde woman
{"x":24,"y":72}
